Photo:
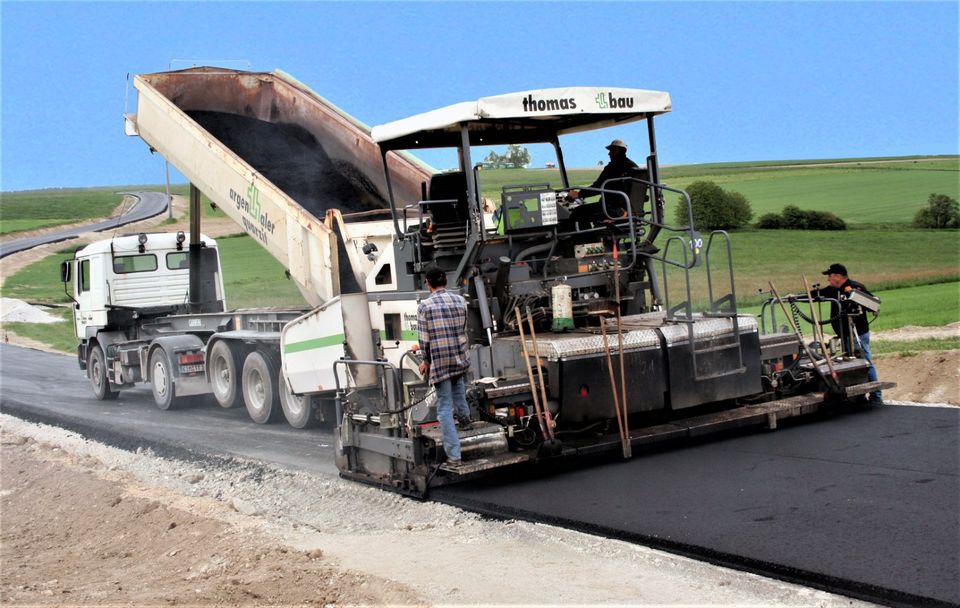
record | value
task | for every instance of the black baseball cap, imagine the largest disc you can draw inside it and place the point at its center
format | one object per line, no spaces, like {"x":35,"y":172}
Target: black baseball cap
{"x":836,"y":269}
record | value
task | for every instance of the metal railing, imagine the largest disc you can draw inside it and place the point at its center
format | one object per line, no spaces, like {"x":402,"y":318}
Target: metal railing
{"x":716,"y":305}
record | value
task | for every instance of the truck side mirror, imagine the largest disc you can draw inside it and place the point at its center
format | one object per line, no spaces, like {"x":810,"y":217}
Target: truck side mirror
{"x":65,"y":271}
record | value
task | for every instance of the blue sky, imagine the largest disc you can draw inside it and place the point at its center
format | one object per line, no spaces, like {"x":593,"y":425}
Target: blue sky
{"x":749,"y":81}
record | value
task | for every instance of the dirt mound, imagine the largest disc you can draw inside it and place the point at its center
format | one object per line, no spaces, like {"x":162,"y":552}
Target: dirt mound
{"x":927,"y":377}
{"x":100,"y":542}
{"x":916,"y":332}
{"x":18,"y":311}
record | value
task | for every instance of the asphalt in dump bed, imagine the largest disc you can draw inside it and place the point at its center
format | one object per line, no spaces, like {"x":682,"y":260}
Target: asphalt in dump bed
{"x":293,"y":160}
{"x":866,"y":503}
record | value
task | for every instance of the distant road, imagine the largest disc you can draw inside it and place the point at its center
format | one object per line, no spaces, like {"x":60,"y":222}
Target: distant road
{"x":147,"y":205}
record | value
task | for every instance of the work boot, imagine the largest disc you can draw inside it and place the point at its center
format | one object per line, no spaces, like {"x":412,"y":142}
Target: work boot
{"x":464,"y":423}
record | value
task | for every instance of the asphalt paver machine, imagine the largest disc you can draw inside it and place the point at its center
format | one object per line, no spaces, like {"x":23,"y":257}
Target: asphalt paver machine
{"x":583,"y":334}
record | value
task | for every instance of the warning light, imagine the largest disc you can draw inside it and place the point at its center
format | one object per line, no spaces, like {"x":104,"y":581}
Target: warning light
{"x":521,"y":412}
{"x":511,"y":411}
{"x":584,"y":390}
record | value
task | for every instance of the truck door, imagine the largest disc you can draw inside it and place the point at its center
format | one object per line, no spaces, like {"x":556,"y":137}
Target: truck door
{"x":90,"y":312}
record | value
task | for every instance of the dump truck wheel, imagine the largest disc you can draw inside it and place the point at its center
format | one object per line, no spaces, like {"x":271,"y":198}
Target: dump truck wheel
{"x":225,"y":366}
{"x":259,"y":382}
{"x":161,"y":380}
{"x":97,"y":368}
{"x":297,"y":409}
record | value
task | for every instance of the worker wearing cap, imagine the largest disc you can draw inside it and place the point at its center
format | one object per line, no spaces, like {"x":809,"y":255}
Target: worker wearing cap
{"x":619,"y":166}
{"x":442,"y":330}
{"x":843,"y":311}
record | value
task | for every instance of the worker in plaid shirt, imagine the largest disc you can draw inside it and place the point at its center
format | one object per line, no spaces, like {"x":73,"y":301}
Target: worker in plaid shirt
{"x":442,"y":328}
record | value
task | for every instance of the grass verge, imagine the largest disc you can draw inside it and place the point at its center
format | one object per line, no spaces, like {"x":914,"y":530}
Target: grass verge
{"x":58,"y":336}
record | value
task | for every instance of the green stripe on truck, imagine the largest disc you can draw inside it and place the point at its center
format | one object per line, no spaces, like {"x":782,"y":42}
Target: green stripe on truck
{"x":299,"y":347}
{"x":405,"y":336}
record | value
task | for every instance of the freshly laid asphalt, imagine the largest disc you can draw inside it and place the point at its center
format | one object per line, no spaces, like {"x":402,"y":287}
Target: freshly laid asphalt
{"x":866,"y":503}
{"x":148,"y":204}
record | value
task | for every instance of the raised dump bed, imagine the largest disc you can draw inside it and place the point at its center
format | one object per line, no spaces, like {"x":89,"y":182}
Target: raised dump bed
{"x":275,"y":157}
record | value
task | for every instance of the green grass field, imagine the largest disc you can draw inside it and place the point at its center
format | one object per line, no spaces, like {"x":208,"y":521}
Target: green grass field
{"x":39,"y":208}
{"x":916,"y":272}
{"x":251,"y":277}
{"x":860,"y":191}
{"x":925,"y":306}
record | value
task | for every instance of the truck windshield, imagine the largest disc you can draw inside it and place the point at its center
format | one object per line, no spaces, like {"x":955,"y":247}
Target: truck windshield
{"x":126,"y":264}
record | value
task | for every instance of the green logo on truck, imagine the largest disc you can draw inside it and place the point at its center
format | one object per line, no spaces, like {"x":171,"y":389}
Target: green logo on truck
{"x":259,"y":223}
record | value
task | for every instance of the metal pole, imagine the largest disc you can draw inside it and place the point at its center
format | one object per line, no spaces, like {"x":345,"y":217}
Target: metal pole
{"x":560,"y":164}
{"x":466,"y":167}
{"x":166,"y":165}
{"x":195,"y":303}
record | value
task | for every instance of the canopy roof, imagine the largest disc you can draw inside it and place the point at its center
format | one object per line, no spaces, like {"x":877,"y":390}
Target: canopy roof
{"x":525,"y":117}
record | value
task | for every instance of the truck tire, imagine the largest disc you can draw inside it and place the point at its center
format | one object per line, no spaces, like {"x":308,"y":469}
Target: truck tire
{"x":260,"y":391}
{"x":97,"y":369}
{"x":297,"y":409}
{"x":161,"y":380}
{"x":225,"y":366}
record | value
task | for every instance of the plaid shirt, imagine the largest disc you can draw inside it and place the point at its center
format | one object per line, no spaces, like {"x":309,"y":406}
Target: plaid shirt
{"x":442,"y":328}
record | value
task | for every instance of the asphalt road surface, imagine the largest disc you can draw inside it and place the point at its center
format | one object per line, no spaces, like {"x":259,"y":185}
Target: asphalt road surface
{"x":52,"y":389}
{"x":148,"y":205}
{"x":866,"y":503}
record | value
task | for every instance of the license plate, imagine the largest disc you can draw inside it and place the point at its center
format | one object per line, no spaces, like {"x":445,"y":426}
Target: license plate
{"x":191,"y":369}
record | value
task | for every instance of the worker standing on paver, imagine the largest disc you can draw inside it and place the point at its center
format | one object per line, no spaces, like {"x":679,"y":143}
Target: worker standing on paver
{"x":843,"y":311}
{"x":442,"y":329}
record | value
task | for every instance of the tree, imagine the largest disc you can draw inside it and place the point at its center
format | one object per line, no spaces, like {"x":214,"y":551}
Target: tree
{"x":495,"y":160}
{"x":714,"y":208}
{"x":941,"y":212}
{"x":739,"y":208}
{"x":795,"y":218}
{"x":517,"y":155}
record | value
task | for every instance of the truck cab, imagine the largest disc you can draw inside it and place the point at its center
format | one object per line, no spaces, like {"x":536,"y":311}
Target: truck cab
{"x":137,"y":276}
{"x":130,"y":293}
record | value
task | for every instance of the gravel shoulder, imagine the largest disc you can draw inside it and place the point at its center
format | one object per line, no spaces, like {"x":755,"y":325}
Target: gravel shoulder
{"x":88,"y":524}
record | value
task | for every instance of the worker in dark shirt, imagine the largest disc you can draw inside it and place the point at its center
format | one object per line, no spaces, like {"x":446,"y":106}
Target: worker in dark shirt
{"x":619,"y":166}
{"x":843,"y":311}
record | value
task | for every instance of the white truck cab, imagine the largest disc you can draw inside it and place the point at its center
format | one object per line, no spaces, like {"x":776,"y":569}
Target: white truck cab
{"x":139,"y":271}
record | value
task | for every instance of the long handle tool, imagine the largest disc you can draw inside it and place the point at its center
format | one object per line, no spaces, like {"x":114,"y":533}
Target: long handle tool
{"x":526,"y":359}
{"x":624,"y":440}
{"x":543,"y":385}
{"x":627,"y":448}
{"x":818,"y":331}
{"x":796,"y":330}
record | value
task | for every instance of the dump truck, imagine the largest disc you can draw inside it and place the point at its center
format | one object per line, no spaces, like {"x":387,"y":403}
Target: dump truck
{"x":585,"y":335}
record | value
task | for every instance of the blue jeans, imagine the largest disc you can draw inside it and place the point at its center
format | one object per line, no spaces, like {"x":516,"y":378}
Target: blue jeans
{"x":451,"y":396}
{"x":872,"y":371}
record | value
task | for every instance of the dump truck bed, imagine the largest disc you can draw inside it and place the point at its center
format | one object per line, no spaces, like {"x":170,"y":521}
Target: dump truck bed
{"x":275,"y":157}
